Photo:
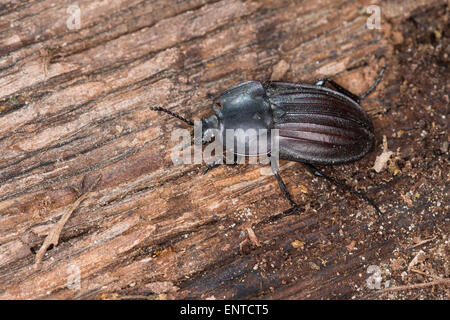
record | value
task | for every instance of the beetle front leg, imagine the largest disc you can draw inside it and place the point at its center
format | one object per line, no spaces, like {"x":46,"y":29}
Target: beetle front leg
{"x":274,"y":167}
{"x":341,"y":185}
{"x":217,"y":163}
{"x":210,"y":166}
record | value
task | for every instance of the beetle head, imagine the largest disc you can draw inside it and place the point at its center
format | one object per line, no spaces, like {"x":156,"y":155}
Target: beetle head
{"x":210,"y":128}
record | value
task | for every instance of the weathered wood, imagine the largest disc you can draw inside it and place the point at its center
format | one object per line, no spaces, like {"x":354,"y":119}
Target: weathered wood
{"x":74,"y":105}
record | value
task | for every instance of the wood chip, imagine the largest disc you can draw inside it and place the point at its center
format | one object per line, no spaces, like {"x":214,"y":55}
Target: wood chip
{"x":383,"y":158}
{"x":279,"y":70}
{"x":297,"y":244}
{"x":253,"y":238}
{"x":351,"y":245}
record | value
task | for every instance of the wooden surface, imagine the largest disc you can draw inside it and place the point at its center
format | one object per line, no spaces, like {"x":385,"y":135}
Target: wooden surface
{"x":74,"y":107}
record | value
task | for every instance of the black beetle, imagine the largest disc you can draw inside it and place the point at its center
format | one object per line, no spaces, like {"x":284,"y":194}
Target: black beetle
{"x":317,"y":125}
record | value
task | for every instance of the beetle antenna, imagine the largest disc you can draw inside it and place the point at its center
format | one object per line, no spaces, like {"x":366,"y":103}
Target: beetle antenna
{"x":189,"y":122}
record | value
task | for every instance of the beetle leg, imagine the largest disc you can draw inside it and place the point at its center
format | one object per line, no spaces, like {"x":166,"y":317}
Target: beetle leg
{"x":321,"y":82}
{"x":374,"y":84}
{"x":210,"y":166}
{"x":217,"y":163}
{"x":274,"y":166}
{"x":341,"y":185}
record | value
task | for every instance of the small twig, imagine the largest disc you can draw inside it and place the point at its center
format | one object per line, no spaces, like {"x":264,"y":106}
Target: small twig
{"x":54,"y":234}
{"x":416,"y":286}
{"x":415,"y":260}
{"x":421,"y":243}
{"x":425,"y":274}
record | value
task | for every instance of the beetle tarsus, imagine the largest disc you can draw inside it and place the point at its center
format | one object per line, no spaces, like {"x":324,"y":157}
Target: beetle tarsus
{"x":289,"y":212}
{"x":217,"y":163}
{"x":210,"y":166}
{"x":375,"y":84}
{"x":287,"y":195}
{"x":342,"y":185}
{"x":295,"y":209}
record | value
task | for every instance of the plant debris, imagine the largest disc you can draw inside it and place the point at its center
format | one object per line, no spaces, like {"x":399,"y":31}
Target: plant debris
{"x":54,"y":234}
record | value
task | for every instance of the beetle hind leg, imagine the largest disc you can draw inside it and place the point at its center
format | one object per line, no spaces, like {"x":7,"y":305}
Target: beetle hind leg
{"x":287,"y":195}
{"x":375,"y":84}
{"x":321,"y":82}
{"x":316,"y":172}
